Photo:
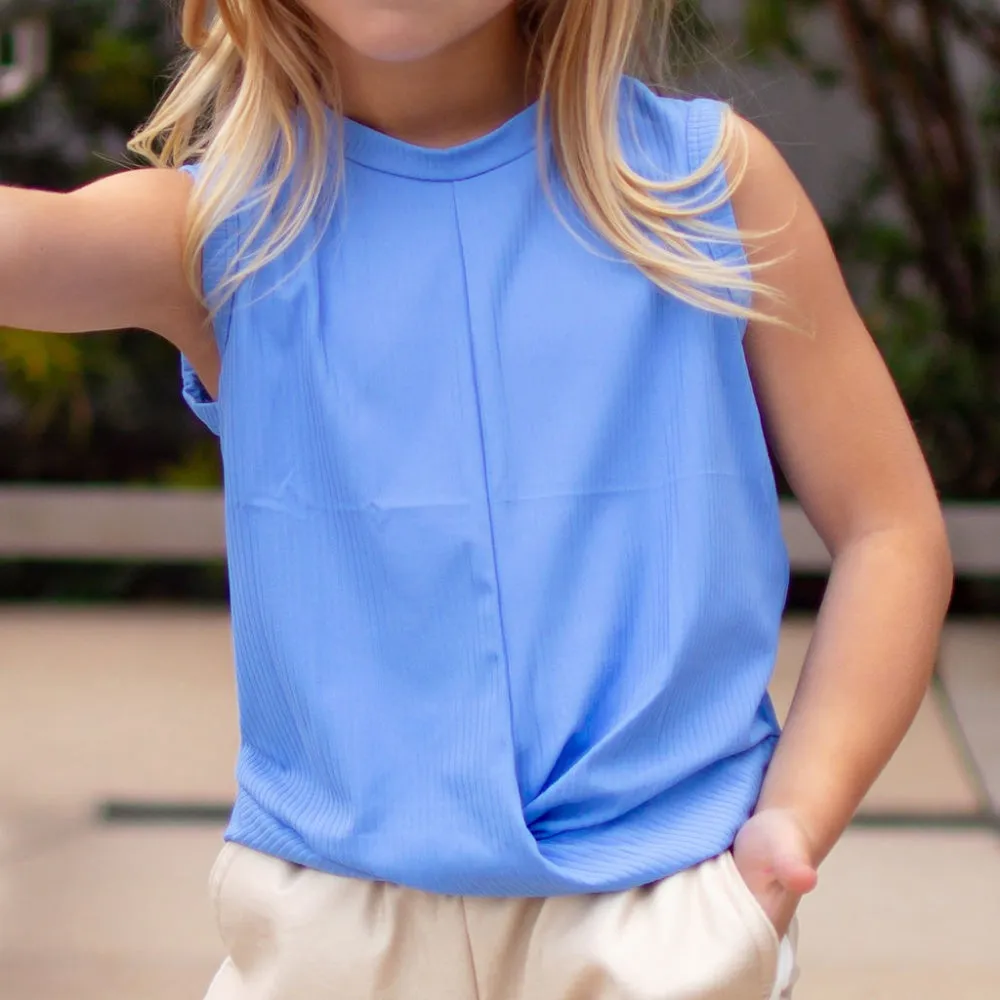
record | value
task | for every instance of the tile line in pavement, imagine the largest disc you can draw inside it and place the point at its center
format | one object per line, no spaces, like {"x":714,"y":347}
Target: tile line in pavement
{"x":153,"y":813}
{"x":953,"y":723}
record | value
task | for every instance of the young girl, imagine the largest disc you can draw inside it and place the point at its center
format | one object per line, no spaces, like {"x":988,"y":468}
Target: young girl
{"x":494,"y":333}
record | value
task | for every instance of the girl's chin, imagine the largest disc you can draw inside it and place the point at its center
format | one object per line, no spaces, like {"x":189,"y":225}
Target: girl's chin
{"x":397,"y":39}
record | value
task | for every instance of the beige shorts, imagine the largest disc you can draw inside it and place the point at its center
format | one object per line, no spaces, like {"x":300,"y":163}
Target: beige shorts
{"x":296,"y":934}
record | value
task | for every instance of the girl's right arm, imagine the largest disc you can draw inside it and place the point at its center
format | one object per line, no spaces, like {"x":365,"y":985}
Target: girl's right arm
{"x":108,"y":256}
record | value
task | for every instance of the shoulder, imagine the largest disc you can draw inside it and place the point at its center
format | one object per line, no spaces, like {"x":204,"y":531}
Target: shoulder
{"x":767,"y":197}
{"x":674,"y":135}
{"x":732,"y":164}
{"x":141,"y":197}
{"x":144,"y":211}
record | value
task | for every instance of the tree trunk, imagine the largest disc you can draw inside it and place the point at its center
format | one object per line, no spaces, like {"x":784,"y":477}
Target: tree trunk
{"x":908,"y":82}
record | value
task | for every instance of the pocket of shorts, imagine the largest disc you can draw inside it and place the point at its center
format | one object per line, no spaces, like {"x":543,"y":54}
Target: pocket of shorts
{"x":757,"y":922}
{"x":220,"y":870}
{"x":749,"y":900}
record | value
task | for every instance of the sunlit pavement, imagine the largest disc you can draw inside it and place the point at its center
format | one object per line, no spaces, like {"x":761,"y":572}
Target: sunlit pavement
{"x":138,"y":706}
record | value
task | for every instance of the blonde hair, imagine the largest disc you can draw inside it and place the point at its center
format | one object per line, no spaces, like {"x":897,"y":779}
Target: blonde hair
{"x":259,"y":72}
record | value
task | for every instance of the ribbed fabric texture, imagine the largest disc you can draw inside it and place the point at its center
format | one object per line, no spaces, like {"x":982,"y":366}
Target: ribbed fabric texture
{"x":506,"y":564}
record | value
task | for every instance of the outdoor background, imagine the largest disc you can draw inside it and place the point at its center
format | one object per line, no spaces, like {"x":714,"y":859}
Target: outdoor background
{"x":889,"y":112}
{"x":117,"y":714}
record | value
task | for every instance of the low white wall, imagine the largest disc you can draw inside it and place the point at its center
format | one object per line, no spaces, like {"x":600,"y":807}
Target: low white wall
{"x":187,"y":526}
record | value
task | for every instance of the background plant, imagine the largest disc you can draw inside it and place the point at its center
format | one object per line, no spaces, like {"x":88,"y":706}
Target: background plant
{"x":916,"y":236}
{"x":104,"y":407}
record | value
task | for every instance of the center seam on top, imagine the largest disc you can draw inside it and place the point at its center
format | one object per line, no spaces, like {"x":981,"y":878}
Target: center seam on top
{"x":486,"y":481}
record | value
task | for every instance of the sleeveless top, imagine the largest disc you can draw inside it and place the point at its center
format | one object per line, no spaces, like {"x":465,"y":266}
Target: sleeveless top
{"x":506,"y":565}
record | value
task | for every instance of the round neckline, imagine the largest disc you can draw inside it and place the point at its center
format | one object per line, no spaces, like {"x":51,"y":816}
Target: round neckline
{"x":509,"y":141}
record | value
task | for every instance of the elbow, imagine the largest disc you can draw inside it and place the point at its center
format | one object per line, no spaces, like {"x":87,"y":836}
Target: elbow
{"x":924,"y":545}
{"x":917,"y":547}
{"x":947,"y":564}
{"x":935,"y":546}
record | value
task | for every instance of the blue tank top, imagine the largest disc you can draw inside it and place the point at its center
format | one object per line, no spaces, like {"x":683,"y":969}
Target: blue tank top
{"x":506,"y":565}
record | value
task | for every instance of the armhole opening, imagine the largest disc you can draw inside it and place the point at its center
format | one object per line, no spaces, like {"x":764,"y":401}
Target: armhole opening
{"x":217,"y":254}
{"x":704,"y":129}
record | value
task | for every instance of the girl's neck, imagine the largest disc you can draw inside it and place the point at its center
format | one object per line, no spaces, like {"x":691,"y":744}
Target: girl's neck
{"x":448,"y":98}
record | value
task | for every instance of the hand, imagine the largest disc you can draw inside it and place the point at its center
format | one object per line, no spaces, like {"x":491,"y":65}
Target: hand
{"x":772,"y":854}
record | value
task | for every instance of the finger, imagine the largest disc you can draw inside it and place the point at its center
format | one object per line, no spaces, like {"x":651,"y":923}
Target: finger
{"x":796,"y":876}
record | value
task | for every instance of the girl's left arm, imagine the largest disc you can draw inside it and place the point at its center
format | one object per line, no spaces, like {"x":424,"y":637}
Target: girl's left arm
{"x":845,"y":444}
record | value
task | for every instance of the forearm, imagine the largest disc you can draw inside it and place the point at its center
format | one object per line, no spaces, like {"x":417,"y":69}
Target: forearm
{"x":865,"y":674}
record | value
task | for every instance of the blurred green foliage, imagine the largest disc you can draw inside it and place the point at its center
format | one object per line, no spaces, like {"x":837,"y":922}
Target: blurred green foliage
{"x":103,"y":407}
{"x":107,"y":407}
{"x":915,"y":236}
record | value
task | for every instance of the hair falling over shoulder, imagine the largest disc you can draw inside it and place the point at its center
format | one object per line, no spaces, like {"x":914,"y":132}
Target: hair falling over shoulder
{"x":253,"y":101}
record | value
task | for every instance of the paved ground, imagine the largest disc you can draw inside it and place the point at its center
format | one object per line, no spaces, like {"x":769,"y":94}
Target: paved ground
{"x":98,"y":705}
